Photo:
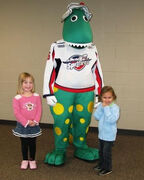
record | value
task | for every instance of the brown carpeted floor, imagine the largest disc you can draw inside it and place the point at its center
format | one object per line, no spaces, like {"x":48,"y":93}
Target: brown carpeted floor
{"x":128,"y":159}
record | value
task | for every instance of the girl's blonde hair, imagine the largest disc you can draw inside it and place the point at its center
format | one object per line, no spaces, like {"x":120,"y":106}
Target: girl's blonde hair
{"x":22,"y":77}
{"x":106,"y":89}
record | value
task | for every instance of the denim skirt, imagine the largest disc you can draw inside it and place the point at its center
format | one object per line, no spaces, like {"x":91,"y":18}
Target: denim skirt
{"x":27,"y":132}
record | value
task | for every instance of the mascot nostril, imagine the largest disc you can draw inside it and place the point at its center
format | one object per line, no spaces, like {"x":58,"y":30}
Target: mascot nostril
{"x":72,"y":78}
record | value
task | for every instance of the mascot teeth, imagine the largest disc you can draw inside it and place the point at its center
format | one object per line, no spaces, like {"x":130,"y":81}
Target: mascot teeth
{"x":79,"y":45}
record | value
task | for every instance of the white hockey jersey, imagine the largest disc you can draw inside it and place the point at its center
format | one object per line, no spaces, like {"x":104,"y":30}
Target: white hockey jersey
{"x":72,"y":69}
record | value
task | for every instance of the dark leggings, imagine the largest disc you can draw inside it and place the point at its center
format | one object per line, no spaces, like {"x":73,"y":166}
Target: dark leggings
{"x":28,"y":144}
{"x":105,"y":153}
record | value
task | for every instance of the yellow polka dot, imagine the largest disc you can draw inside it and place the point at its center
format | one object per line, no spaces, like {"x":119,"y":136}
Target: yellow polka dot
{"x":55,"y":89}
{"x":82,"y":120}
{"x":81,"y":139}
{"x":79,"y":107}
{"x":71,"y":126}
{"x":90,"y":107}
{"x":87,"y":129}
{"x":70,"y":109}
{"x":67,"y":121}
{"x":58,"y":131}
{"x":64,"y":139}
{"x":70,"y":138}
{"x":58,"y":109}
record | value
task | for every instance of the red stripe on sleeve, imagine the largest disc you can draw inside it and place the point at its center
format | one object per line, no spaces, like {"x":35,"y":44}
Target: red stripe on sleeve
{"x":98,"y":78}
{"x":52,"y":79}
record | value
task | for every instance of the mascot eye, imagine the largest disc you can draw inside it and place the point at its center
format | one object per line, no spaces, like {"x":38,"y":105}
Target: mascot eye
{"x":85,"y":18}
{"x":74,"y":18}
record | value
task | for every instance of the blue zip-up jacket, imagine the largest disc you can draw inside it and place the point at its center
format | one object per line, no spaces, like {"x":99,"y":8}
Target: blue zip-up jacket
{"x":107,"y":121}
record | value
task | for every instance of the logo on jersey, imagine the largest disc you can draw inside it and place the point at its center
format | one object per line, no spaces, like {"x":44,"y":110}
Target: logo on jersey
{"x":77,"y":62}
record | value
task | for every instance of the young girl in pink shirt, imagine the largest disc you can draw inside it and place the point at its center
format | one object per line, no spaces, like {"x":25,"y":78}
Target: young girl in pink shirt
{"x":27,"y":110}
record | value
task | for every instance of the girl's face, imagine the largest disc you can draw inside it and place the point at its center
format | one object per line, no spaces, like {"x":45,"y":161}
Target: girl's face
{"x":27,"y":85}
{"x":107,"y":98}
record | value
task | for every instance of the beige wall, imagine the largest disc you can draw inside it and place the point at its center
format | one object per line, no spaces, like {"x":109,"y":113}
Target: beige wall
{"x":28,"y":27}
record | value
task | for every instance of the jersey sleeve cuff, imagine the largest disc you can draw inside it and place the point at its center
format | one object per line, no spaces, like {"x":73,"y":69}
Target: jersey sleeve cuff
{"x":45,"y":95}
{"x":26,"y":124}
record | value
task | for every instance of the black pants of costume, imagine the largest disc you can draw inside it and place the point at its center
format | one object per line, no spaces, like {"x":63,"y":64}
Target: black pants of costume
{"x":105,"y":153}
{"x":28,"y":144}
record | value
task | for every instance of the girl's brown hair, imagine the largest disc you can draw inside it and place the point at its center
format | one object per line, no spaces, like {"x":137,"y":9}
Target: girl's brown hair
{"x":106,"y":89}
{"x":22,"y":77}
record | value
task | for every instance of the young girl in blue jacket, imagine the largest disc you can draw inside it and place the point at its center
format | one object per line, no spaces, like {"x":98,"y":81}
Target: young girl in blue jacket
{"x":107,"y":114}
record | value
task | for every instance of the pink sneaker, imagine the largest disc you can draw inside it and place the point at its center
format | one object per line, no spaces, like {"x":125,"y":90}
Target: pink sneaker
{"x":24,"y":164}
{"x":32,"y":164}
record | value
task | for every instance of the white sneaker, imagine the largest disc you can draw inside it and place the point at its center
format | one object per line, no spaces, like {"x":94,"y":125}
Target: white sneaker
{"x":32,"y":164}
{"x":24,"y":164}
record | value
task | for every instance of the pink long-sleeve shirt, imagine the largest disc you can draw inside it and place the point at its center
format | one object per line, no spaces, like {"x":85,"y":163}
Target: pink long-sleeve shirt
{"x":27,"y":108}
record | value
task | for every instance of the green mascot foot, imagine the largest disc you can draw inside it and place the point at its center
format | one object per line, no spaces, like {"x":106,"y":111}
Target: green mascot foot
{"x":88,"y":154}
{"x":56,"y":157}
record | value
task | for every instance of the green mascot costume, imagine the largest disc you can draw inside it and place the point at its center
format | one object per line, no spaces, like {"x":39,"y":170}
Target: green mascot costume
{"x":72,"y":76}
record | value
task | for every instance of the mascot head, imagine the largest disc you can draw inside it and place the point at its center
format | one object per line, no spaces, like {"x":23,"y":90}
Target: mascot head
{"x":76,"y":28}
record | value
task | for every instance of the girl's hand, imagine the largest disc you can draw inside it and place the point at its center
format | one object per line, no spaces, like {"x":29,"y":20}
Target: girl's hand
{"x":31,"y":123}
